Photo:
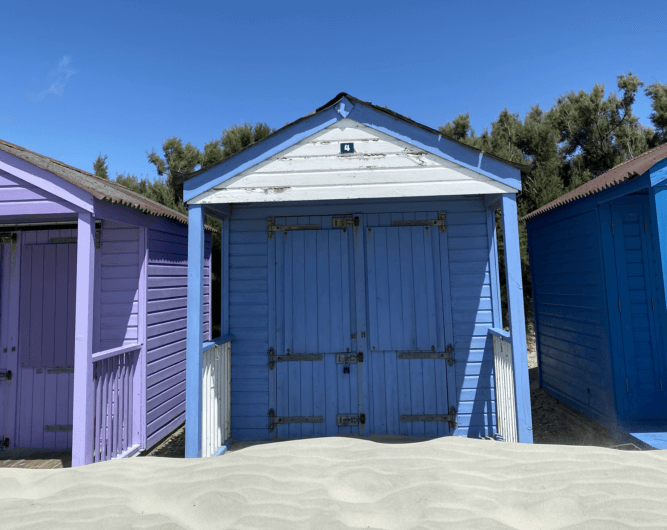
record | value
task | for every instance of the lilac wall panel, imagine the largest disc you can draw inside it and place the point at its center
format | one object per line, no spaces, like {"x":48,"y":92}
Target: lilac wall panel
{"x":120,"y":266}
{"x":20,"y":198}
{"x":166,"y":329}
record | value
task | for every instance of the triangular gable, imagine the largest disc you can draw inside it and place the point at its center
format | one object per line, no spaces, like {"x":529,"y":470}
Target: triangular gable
{"x":393,"y":158}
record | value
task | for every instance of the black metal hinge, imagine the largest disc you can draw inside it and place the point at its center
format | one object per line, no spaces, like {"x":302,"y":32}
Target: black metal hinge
{"x":345,"y":221}
{"x":347,"y":358}
{"x":283,"y":420}
{"x":273,"y":358}
{"x":448,"y":354}
{"x":345,"y":420}
{"x":5,"y":443}
{"x":441,"y":221}
{"x":272,"y":227}
{"x":6,"y":376}
{"x":449,"y":418}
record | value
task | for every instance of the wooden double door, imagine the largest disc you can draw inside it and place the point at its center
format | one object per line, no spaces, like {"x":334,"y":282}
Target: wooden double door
{"x":359,"y":343}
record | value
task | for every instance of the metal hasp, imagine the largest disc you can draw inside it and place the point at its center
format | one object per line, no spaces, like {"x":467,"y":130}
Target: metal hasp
{"x":345,"y":420}
{"x":450,"y":418}
{"x":441,"y":221}
{"x":275,"y":420}
{"x":272,"y":227}
{"x":6,"y":375}
{"x":273,"y":358}
{"x":448,"y":354}
{"x":347,"y":358}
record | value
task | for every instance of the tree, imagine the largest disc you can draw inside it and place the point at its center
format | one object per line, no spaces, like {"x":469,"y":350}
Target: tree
{"x":658,"y":95}
{"x":100,"y":167}
{"x":156,"y":190}
{"x":239,"y":137}
{"x":177,"y":162}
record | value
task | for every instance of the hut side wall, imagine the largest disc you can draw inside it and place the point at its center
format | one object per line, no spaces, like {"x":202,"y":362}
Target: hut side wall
{"x":571,"y":315}
{"x":166,"y":328}
{"x":117,"y":286}
{"x":471,"y":292}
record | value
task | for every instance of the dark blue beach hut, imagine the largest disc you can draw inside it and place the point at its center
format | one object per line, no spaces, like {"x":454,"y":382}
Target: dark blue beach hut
{"x":92,"y":311}
{"x":597,"y":257}
{"x":360,"y":286}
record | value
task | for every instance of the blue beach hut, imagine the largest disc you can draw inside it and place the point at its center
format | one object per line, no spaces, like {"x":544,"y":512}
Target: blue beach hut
{"x":597,"y":259}
{"x":360,"y":285}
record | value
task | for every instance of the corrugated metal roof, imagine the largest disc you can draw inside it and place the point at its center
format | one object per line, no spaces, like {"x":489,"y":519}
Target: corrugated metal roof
{"x":621,"y":173}
{"x":106,"y":190}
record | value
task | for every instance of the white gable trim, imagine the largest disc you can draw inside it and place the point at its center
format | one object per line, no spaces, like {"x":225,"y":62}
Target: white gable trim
{"x":381,"y":166}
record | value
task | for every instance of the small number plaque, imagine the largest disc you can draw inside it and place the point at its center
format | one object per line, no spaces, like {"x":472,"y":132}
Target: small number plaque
{"x":346,"y":148}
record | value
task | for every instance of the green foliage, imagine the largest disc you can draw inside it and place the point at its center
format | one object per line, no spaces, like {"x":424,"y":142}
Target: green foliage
{"x":658,"y":95}
{"x":239,"y":137}
{"x":100,"y":167}
{"x":581,"y":136}
{"x":156,"y":190}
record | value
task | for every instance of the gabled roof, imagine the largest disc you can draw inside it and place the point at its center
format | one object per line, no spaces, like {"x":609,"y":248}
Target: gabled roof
{"x":617,"y":175}
{"x":342,"y":106}
{"x":102,"y":189}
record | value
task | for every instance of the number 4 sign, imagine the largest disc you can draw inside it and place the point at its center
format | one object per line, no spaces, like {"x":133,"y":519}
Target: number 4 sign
{"x":346,"y":148}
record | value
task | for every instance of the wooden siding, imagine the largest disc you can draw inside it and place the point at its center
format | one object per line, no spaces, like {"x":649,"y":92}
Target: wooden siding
{"x":18,"y":198}
{"x":381,"y":166}
{"x":571,"y":311}
{"x":166,"y":329}
{"x":470,"y":288}
{"x":117,"y":286}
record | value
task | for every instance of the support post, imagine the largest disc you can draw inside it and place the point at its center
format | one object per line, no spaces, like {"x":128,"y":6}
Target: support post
{"x":82,"y":430}
{"x":517,"y":319}
{"x":195,"y":332}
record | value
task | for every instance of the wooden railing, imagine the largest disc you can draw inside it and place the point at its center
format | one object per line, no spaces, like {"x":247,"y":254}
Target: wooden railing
{"x":504,"y":379}
{"x":216,"y":395}
{"x":116,"y":409}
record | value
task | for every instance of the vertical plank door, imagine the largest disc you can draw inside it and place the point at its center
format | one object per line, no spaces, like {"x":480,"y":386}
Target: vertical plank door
{"x":408,"y":374}
{"x":641,"y":370}
{"x":314,"y":318}
{"x":46,"y":344}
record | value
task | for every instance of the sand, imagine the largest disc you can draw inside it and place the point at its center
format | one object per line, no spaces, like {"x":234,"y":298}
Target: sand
{"x":351,"y":483}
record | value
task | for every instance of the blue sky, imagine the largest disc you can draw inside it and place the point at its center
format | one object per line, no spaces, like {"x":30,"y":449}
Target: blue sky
{"x":82,"y":78}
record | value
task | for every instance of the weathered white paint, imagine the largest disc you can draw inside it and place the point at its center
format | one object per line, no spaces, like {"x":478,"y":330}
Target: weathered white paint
{"x":381,"y":166}
{"x":216,"y":399}
{"x":505,"y":400}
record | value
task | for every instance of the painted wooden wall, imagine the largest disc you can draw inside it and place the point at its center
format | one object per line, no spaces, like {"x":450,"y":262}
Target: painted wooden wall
{"x":18,"y":198}
{"x":118,"y":267}
{"x":571,"y":310}
{"x":166,"y":328}
{"x":470,"y":284}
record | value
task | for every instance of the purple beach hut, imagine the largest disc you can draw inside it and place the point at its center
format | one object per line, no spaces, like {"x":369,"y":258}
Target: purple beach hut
{"x":93,"y":304}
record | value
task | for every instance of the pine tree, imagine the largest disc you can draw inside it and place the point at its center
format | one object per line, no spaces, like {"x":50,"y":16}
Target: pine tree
{"x":100,"y":167}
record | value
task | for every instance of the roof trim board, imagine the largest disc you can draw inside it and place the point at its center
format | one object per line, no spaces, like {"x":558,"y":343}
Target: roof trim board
{"x":43,"y":179}
{"x":386,"y":122}
{"x":282,"y":139}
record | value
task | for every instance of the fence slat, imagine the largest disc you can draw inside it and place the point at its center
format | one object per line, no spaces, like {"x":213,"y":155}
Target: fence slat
{"x":504,"y":383}
{"x":113,"y":387}
{"x":216,"y":395}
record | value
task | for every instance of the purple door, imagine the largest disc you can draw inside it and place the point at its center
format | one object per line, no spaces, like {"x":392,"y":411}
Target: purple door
{"x":46,"y":345}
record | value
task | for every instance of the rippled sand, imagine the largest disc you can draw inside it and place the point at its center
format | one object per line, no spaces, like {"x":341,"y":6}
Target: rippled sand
{"x":351,"y":483}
